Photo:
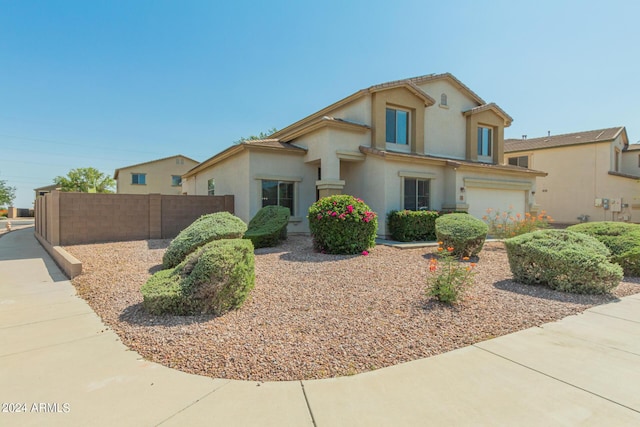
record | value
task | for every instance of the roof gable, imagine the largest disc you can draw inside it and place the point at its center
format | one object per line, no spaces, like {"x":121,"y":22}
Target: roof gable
{"x":452,"y":80}
{"x":410,"y":84}
{"x":552,"y":141}
{"x":115,"y":175}
{"x":491,"y":107}
{"x":271,"y":144}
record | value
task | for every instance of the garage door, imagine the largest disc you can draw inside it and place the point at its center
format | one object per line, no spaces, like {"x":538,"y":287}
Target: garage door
{"x":481,"y":199}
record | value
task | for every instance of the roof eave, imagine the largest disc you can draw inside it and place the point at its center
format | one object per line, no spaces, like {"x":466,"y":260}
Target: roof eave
{"x":455,"y":164}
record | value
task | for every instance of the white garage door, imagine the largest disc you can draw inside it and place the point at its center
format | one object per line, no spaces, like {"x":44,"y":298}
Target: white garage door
{"x":481,"y":199}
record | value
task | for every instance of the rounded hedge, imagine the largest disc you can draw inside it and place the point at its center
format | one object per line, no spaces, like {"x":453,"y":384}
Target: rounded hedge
{"x":563,"y":260}
{"x":463,"y":232}
{"x":268,"y":227}
{"x":342,"y":224}
{"x":214,"y":279}
{"x":621,"y":238}
{"x":207,"y":228}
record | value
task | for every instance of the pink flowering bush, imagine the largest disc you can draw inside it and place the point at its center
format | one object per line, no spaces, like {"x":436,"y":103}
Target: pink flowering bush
{"x":342,"y":225}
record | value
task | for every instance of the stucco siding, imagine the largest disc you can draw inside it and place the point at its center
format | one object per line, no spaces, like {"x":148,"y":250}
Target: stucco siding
{"x":357,"y":112}
{"x":445,"y":126}
{"x":631,"y":162}
{"x":231,"y":176}
{"x":578,"y":175}
{"x":157,"y":176}
{"x":283,"y":167}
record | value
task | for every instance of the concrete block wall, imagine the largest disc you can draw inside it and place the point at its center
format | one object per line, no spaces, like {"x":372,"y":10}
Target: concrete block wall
{"x":80,"y":218}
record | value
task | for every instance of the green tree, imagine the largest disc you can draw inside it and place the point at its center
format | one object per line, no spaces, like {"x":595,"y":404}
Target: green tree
{"x":85,"y":180}
{"x":261,"y":135}
{"x":7,"y":194}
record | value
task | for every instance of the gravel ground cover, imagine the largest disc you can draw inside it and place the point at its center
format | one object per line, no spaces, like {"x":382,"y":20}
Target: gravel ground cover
{"x":313,"y":315}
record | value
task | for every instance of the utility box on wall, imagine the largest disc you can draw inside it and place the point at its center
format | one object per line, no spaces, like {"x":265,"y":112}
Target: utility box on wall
{"x":616,"y":205}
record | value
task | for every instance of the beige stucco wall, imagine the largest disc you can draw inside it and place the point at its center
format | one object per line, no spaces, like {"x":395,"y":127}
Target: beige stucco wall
{"x":577,"y":175}
{"x":158,"y":176}
{"x":230,"y":175}
{"x":631,"y":162}
{"x":358,"y":111}
{"x":445,"y":125}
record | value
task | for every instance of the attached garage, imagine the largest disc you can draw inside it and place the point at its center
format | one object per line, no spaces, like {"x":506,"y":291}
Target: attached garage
{"x":505,"y":196}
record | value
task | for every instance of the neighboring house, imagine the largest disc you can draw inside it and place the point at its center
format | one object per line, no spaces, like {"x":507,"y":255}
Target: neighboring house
{"x":421,"y":143}
{"x":162,"y":176}
{"x":593,"y":173}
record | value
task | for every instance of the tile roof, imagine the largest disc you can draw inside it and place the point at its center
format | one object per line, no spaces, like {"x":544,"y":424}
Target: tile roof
{"x":430,"y":77}
{"x":598,"y":135}
{"x":271,"y":143}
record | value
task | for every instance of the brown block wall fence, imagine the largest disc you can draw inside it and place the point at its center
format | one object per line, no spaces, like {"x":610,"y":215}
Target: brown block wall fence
{"x":79,"y":218}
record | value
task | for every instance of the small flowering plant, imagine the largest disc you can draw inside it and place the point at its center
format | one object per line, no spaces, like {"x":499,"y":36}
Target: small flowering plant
{"x":342,"y":224}
{"x":449,"y":278}
{"x":505,"y":224}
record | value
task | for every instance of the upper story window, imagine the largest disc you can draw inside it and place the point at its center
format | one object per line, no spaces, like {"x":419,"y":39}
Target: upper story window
{"x":443,"y":100}
{"x":485,"y":141}
{"x":179,"y":161}
{"x":211,"y":187}
{"x":617,"y":160}
{"x":397,"y":125}
{"x":522,"y":161}
{"x":139,"y":178}
{"x":176,"y":180}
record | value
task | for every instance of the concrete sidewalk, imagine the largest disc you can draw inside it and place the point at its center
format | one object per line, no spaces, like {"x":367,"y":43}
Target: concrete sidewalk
{"x":60,"y":365}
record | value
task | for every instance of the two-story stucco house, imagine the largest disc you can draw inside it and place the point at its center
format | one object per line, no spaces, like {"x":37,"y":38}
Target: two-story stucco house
{"x":592,"y":175}
{"x":161,"y":176}
{"x":426,"y":142}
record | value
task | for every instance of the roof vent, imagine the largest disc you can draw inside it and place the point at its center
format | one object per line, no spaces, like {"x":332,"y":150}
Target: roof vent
{"x":548,"y":133}
{"x":524,"y":137}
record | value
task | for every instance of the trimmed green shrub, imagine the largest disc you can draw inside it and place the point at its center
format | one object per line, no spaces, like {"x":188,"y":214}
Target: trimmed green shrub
{"x":214,"y":279}
{"x":563,"y":260}
{"x":207,"y":228}
{"x":621,"y":238}
{"x":342,"y":224}
{"x":268,"y":227}
{"x":407,"y":226}
{"x":462,"y":232}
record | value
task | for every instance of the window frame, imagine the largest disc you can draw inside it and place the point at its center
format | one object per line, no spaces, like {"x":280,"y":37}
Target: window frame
{"x":211,"y":187}
{"x":482,"y":144}
{"x":135,"y":176}
{"x":279,"y":198}
{"x":426,"y":184}
{"x":518,"y":161}
{"x":173,"y":184}
{"x":407,"y":132}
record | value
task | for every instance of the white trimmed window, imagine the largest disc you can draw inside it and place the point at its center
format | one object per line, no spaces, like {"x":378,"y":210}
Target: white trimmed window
{"x":416,"y":194}
{"x":176,"y":180}
{"x":485,"y":141}
{"x":278,"y":193}
{"x":397,"y":126}
{"x":211,"y":187}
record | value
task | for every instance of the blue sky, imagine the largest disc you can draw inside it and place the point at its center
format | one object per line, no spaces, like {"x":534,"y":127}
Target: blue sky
{"x":113,"y":83}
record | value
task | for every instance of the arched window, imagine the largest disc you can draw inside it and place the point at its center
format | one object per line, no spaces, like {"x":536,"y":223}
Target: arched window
{"x":443,"y":99}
